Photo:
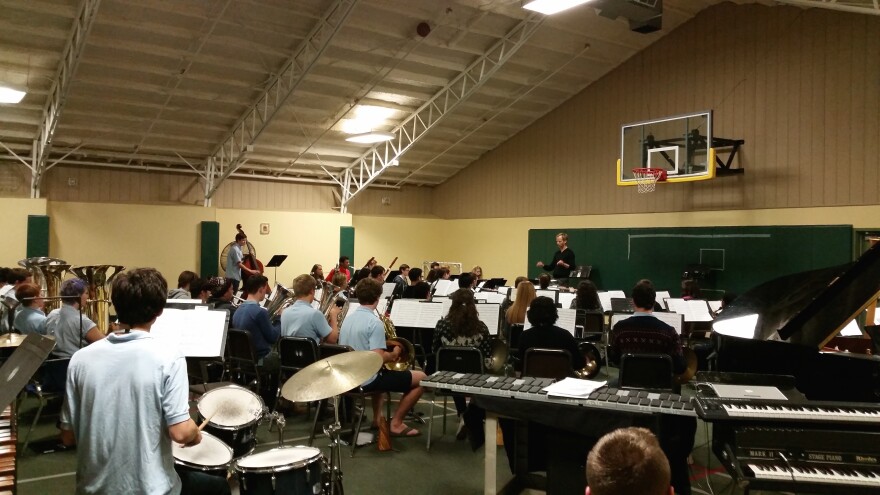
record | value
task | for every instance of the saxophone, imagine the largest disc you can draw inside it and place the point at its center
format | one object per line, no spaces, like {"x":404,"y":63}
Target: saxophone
{"x":407,"y":357}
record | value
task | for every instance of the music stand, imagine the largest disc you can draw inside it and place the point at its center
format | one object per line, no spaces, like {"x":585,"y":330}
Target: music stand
{"x":17,"y":371}
{"x":275,"y":262}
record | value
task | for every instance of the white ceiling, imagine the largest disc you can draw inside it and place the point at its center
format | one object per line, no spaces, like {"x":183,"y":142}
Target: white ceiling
{"x":163,"y":84}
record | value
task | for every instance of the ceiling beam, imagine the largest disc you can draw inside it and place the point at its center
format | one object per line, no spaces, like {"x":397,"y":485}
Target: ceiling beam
{"x":366,"y":169}
{"x":229,"y":155}
{"x":872,"y":9}
{"x":70,"y":59}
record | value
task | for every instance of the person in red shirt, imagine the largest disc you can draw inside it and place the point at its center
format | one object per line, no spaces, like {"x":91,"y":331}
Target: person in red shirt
{"x":343,"y":268}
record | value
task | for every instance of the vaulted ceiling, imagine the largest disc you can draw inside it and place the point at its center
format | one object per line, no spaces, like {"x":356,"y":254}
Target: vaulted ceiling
{"x":268,"y":88}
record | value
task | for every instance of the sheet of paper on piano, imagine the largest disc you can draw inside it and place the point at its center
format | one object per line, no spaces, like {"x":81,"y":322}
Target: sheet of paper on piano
{"x":574,"y":387}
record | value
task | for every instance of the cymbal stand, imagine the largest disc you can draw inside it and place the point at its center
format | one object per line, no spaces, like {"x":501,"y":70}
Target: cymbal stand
{"x":332,"y":430}
{"x":278,"y":419}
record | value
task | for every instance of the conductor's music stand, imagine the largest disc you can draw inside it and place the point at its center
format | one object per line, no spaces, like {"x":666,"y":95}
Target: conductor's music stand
{"x":275,"y":262}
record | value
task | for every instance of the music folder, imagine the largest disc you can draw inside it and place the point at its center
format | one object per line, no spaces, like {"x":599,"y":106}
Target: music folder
{"x":276,"y":261}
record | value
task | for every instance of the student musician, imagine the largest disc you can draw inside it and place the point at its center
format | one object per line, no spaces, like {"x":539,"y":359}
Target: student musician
{"x":418,"y":288}
{"x":477,"y":272}
{"x":303,"y":320}
{"x":401,"y":281}
{"x":628,"y":461}
{"x":184,"y":285}
{"x":15,"y":278}
{"x":318,"y":274}
{"x":250,"y":316}
{"x":343,"y":268}
{"x":563,"y":260}
{"x":141,"y":388}
{"x":587,"y":297}
{"x":30,"y":318}
{"x":235,"y":261}
{"x":363,"y":331}
{"x":219,"y":291}
{"x":542,"y":314}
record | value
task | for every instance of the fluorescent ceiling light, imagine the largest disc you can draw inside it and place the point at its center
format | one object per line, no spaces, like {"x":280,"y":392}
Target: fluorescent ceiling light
{"x":549,"y":7}
{"x":9,"y":95}
{"x":370,"y":137}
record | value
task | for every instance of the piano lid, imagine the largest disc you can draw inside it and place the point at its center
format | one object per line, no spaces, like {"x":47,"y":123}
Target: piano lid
{"x":810,"y":308}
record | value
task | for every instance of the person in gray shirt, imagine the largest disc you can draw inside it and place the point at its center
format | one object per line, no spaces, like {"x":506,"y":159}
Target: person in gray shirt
{"x":72,"y":329}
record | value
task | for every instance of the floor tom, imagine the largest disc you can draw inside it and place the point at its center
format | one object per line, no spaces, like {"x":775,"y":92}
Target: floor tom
{"x":283,"y":470}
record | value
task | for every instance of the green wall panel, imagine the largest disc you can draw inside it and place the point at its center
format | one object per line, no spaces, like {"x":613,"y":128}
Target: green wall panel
{"x":37,"y":236}
{"x":209,"y":257}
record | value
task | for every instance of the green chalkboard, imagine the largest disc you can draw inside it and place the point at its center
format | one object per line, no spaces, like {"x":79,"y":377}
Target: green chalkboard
{"x":740,"y":257}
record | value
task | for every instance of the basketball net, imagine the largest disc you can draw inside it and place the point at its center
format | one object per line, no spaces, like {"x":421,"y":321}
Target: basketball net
{"x":646,"y":178}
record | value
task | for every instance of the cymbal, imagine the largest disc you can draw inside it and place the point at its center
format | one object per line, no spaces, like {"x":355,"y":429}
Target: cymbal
{"x":331,"y":376}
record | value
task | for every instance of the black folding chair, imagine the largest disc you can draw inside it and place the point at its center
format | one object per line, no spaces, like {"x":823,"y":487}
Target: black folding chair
{"x":295,"y":353}
{"x":548,"y":363}
{"x":647,"y":371}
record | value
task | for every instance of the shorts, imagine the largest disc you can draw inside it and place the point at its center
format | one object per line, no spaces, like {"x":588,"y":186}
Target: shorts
{"x":390,"y":381}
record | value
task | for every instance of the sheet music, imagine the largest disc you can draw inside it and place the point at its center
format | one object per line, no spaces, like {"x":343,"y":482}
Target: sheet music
{"x":605,"y":301}
{"x":415,"y":313}
{"x":693,"y":310}
{"x":382,"y":307}
{"x":552,"y":294}
{"x":492,"y":297}
{"x":489,"y":314}
{"x":662,"y":296}
{"x":445,"y":287}
{"x":566,"y":319}
{"x":715,"y":306}
{"x":352,"y":307}
{"x":672,"y":319}
{"x":851,"y":329}
{"x":197,"y":333}
{"x":565,"y":298}
{"x":388,"y":289}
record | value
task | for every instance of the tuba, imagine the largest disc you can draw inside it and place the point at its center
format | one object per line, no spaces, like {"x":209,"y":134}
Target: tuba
{"x":592,"y":361}
{"x":498,"y":359}
{"x":48,"y":274}
{"x":407,"y":358}
{"x":98,"y":306}
{"x":282,"y":298}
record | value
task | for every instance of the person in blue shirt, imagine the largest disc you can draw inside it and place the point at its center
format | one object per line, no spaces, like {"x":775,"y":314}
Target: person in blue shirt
{"x":30,"y":317}
{"x":252,"y":317}
{"x":302,"y":320}
{"x":140,"y":385}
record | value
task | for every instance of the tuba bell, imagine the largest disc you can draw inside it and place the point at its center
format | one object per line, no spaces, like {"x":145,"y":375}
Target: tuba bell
{"x":498,"y":358}
{"x":98,"y":306}
{"x":48,"y":274}
{"x":592,"y":361}
{"x":280,"y":300}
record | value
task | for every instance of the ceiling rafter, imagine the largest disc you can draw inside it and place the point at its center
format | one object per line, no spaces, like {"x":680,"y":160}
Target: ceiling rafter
{"x":228,"y":156}
{"x":366,"y":169}
{"x":70,"y":59}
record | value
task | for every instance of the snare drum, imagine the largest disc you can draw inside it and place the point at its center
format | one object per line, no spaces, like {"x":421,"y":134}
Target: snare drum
{"x":283,"y":471}
{"x":210,"y":456}
{"x":234,"y":413}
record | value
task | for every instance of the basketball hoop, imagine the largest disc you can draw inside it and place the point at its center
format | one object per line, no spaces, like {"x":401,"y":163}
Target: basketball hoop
{"x":647,"y":178}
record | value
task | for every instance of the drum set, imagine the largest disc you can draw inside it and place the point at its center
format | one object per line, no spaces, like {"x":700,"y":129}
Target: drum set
{"x":230,"y":416}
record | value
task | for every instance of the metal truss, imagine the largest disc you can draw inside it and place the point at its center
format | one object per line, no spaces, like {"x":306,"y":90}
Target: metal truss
{"x":70,"y":58}
{"x":871,"y":7}
{"x":232,"y":153}
{"x":366,"y":169}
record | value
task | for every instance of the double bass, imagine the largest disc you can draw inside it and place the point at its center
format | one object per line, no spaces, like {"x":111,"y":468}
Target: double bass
{"x":249,"y":257}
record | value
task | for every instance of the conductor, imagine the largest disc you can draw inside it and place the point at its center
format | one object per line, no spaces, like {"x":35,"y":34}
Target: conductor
{"x":563,"y":260}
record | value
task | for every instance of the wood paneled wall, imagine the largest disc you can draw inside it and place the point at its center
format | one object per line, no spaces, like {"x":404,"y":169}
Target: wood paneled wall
{"x":801,"y":86}
{"x":120,"y":186}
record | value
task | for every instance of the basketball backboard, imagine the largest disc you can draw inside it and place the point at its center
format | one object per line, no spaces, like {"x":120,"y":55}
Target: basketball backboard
{"x":679,"y":145}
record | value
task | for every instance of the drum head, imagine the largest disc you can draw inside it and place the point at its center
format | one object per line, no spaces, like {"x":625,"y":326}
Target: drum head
{"x":278,"y":459}
{"x":210,"y":452}
{"x":231,"y":406}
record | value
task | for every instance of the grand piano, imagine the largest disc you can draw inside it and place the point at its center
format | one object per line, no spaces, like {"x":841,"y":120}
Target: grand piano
{"x":825,"y":436}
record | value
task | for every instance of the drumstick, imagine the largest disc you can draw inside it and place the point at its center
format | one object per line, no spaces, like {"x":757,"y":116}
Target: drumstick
{"x":205,"y":422}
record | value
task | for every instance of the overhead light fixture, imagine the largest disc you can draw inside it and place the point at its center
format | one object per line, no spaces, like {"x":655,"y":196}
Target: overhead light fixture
{"x":11,"y":95}
{"x":371,"y":137}
{"x":550,"y":7}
